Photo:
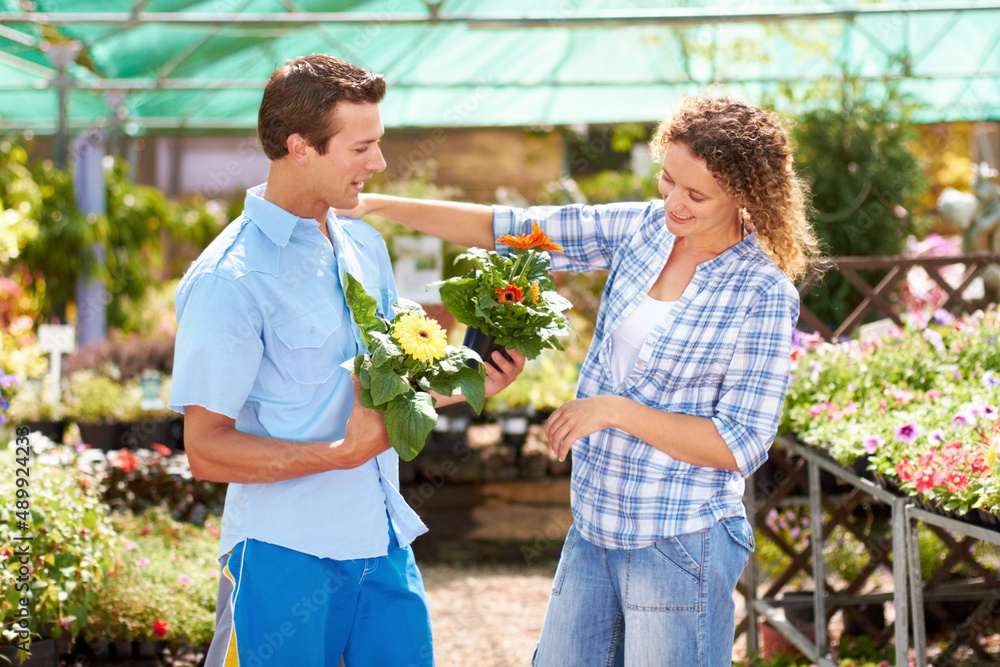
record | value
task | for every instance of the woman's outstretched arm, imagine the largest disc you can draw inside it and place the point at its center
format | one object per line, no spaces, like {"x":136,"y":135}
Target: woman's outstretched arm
{"x":469,"y":225}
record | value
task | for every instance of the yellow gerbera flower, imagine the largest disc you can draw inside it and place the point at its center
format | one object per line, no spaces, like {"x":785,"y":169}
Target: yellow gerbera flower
{"x":420,"y":337}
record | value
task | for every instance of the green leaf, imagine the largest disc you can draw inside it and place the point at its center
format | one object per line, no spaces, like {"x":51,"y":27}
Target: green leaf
{"x":386,"y":385}
{"x":363,"y":309}
{"x":408,"y":421}
{"x":472,"y":383}
{"x":364,"y":374}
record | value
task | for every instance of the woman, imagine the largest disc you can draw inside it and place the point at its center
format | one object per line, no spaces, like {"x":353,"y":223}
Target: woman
{"x":681,"y":390}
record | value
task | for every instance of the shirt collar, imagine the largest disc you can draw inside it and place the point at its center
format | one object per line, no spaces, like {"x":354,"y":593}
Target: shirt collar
{"x":747,"y":246}
{"x":276,"y":223}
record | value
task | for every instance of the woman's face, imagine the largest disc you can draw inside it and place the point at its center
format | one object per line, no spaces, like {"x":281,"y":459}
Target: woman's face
{"x":696,"y":205}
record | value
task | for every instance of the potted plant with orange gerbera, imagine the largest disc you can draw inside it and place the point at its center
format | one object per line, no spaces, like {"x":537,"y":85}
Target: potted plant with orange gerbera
{"x":509,"y":301}
{"x":407,"y":358}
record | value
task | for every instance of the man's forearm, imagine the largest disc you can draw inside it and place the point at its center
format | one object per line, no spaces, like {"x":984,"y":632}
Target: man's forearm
{"x":469,"y":225}
{"x":218,"y":452}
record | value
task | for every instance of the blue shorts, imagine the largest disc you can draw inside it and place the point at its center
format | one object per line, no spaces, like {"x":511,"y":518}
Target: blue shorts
{"x":283,"y":607}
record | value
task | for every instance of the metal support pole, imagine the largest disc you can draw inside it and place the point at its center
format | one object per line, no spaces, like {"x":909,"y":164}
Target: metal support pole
{"x":819,"y":569}
{"x":900,"y":525}
{"x":916,"y":595}
{"x":91,"y":293}
{"x":61,"y":54}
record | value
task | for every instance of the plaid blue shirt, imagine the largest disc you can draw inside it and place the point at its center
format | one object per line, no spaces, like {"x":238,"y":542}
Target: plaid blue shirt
{"x":722,"y":354}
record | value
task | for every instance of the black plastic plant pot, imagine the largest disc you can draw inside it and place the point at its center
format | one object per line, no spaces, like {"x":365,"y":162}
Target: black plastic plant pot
{"x":484,"y":345}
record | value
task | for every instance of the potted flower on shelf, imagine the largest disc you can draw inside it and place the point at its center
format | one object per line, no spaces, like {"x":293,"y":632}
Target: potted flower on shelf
{"x":408,"y":357}
{"x":509,"y":301}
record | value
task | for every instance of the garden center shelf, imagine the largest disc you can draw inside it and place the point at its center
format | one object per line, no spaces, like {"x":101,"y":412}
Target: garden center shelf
{"x":989,"y":593}
{"x":773,"y":608}
{"x":902,"y":549}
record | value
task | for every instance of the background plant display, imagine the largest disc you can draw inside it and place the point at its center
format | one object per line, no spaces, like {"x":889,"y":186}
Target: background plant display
{"x":511,"y":297}
{"x":72,"y":548}
{"x":919,"y":404}
{"x":407,"y":358}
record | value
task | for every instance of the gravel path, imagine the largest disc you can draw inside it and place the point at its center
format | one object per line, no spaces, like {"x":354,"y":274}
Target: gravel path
{"x":491,"y":615}
{"x":486,"y":615}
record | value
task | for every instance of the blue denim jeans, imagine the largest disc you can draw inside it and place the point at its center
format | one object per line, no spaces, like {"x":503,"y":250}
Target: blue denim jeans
{"x":670,"y":603}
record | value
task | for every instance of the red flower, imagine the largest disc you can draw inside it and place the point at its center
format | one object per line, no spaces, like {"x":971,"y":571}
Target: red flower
{"x":927,"y":480}
{"x":126,"y":461}
{"x":956,"y":481}
{"x":163,"y":449}
{"x":161,"y":628}
{"x":510,"y":294}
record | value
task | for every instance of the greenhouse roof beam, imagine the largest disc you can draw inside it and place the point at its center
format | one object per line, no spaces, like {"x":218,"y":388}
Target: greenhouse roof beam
{"x":490,"y":20}
{"x":251,"y":84}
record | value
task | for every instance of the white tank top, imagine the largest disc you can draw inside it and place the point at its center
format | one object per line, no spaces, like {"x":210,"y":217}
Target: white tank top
{"x":628,"y":338}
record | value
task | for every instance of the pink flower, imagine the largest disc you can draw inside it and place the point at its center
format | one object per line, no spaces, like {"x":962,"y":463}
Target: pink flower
{"x":184,"y":579}
{"x":937,"y":435}
{"x":933,"y":395}
{"x":902,"y":396}
{"x":963,"y":418}
{"x":131,"y":545}
{"x":873,"y":442}
{"x":142,"y":562}
{"x":956,"y":481}
{"x":820,"y":408}
{"x":908,"y":433}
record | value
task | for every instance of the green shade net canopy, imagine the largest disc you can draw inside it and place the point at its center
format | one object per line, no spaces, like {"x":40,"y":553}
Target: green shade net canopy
{"x":165,"y":65}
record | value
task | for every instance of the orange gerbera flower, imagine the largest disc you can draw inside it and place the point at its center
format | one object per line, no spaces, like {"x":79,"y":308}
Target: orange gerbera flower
{"x":510,"y":294}
{"x":536,"y":239}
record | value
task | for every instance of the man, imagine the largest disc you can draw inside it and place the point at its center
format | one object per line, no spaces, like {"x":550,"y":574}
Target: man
{"x":314,"y":547}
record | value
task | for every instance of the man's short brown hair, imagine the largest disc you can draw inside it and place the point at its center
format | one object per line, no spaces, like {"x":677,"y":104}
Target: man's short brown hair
{"x":301,"y":95}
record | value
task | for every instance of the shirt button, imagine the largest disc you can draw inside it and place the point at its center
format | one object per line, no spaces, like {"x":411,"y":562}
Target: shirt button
{"x":312,"y":329}
{"x":641,"y":364}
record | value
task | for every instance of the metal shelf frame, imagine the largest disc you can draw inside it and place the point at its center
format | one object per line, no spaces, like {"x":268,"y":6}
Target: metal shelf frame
{"x":908,"y":595}
{"x":816,"y":648}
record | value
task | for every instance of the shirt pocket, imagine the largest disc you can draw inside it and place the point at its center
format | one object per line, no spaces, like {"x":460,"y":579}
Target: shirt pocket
{"x":310,"y":346}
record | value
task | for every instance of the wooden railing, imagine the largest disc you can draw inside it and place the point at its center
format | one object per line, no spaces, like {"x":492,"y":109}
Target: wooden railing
{"x":875,"y":296}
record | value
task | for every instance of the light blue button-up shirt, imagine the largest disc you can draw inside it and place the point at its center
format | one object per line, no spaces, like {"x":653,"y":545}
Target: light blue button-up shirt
{"x":263,"y":329}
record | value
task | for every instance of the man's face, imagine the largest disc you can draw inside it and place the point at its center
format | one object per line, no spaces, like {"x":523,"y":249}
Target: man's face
{"x":353,"y":155}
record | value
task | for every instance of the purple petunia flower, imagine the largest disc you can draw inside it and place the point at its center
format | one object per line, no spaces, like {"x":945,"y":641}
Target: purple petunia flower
{"x":963,"y":418}
{"x":937,"y":435}
{"x":908,"y":433}
{"x":935,"y":339}
{"x":8,"y":381}
{"x":990,"y":379}
{"x":942,"y":316}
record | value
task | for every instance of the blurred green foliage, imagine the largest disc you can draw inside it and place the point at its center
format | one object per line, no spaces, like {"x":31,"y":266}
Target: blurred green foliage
{"x":865,"y":181}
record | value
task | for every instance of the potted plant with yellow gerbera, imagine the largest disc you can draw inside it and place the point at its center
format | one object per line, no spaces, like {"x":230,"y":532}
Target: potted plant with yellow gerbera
{"x":509,"y":301}
{"x":407,"y":358}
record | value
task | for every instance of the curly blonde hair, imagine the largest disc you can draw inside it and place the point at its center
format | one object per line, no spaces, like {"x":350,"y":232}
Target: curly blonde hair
{"x":750,"y":154}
